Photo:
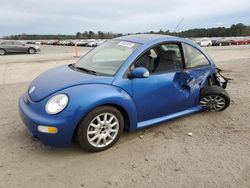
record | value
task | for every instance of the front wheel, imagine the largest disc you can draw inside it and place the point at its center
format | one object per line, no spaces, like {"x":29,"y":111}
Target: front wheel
{"x":100,"y":129}
{"x":31,"y":51}
{"x":2,"y":52}
{"x":214,"y":98}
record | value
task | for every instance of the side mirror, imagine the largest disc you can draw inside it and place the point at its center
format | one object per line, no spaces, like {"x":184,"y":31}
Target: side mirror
{"x":139,"y":72}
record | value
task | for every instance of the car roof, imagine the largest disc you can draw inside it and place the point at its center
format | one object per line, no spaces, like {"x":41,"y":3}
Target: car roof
{"x":148,"y":38}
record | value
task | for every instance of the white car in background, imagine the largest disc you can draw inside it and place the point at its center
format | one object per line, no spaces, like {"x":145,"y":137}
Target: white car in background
{"x":204,"y":42}
{"x":91,"y":44}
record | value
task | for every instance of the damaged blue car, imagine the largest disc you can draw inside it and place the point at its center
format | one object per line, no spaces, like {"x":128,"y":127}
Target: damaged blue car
{"x":126,"y":83}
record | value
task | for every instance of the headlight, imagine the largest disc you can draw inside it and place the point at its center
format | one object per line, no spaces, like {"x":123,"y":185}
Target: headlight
{"x":56,"y":104}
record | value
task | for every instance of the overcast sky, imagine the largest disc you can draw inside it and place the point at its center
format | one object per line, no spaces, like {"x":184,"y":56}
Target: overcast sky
{"x":70,"y":16}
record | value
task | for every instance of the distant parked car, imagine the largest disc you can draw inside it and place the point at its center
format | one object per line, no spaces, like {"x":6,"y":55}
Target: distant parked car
{"x":72,"y":43}
{"x":204,"y":42}
{"x":65,"y":42}
{"x":50,"y":42}
{"x":238,"y":42}
{"x":17,"y":47}
{"x":91,"y":44}
{"x":221,"y":42}
{"x":31,"y":42}
{"x":82,"y":43}
{"x":56,"y":43}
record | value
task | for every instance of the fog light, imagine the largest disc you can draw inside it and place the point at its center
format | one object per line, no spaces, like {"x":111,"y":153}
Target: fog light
{"x":46,"y":129}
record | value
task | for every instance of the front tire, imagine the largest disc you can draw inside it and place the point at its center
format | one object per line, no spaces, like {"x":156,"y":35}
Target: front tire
{"x":100,"y":129}
{"x":214,"y":98}
{"x":32,"y":50}
{"x":2,"y":52}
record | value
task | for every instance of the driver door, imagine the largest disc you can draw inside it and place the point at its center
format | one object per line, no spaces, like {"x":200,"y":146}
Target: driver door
{"x":18,"y":47}
{"x":160,"y":94}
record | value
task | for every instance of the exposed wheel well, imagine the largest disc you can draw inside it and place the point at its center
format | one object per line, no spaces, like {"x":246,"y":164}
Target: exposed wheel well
{"x":217,"y":79}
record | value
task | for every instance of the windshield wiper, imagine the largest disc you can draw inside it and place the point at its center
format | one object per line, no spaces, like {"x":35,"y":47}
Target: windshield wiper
{"x":86,"y":70}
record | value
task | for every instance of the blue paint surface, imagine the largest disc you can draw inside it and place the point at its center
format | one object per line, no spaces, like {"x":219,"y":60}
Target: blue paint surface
{"x":146,"y":101}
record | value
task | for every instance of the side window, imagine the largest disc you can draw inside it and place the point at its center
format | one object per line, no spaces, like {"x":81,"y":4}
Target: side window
{"x":147,"y":60}
{"x":17,"y":43}
{"x":194,"y":58}
{"x":5,"y":43}
{"x":162,"y":58}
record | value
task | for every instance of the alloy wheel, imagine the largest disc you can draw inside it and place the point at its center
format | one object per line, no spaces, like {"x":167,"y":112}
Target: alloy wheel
{"x":213,"y":102}
{"x":31,"y":51}
{"x":103,"y":130}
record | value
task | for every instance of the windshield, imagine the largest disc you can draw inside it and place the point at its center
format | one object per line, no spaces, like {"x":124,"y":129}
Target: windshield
{"x":107,"y":58}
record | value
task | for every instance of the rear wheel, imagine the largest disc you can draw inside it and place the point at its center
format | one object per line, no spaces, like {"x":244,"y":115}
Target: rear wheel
{"x":214,"y":98}
{"x":32,"y":50}
{"x":2,"y":52}
{"x":100,"y":129}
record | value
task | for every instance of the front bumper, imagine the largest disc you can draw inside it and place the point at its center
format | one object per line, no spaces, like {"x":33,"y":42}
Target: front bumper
{"x":38,"y":49}
{"x":32,"y":116}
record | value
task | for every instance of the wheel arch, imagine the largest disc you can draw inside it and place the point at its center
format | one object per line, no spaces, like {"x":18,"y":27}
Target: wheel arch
{"x":128,"y":123}
{"x":122,"y":110}
{"x":124,"y":114}
{"x":109,"y":96}
{"x":216,"y":78}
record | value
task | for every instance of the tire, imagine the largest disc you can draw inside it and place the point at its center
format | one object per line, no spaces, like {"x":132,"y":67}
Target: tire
{"x":31,"y":50}
{"x":214,"y":98}
{"x":92,"y":132}
{"x":2,"y":52}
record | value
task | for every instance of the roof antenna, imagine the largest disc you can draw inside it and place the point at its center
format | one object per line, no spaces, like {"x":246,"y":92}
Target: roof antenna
{"x":180,"y":22}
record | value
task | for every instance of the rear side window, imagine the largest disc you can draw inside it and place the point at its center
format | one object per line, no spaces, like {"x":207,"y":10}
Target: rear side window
{"x":194,"y":58}
{"x":17,"y":43}
{"x":6,"y":43}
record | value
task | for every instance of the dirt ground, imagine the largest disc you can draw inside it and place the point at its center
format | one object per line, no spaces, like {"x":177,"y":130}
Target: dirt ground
{"x":217,"y":155}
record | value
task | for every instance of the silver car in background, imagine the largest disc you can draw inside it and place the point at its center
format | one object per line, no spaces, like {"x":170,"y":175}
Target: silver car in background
{"x":17,"y":47}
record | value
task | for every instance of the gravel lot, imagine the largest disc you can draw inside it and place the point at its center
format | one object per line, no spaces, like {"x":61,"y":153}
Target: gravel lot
{"x":217,"y":155}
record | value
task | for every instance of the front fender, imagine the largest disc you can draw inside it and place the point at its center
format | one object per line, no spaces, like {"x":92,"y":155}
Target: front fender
{"x":84,"y":98}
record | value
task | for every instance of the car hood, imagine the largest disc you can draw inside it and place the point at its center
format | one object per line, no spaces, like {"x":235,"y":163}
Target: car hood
{"x":59,"y":78}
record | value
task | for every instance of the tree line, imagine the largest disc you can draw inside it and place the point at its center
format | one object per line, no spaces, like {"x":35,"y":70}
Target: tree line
{"x":235,"y":30}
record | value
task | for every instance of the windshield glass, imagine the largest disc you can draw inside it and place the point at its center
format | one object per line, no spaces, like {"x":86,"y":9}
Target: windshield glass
{"x":107,"y":58}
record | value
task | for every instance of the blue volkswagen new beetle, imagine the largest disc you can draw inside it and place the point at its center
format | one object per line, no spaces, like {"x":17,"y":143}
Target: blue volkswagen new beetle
{"x":128,"y":83}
